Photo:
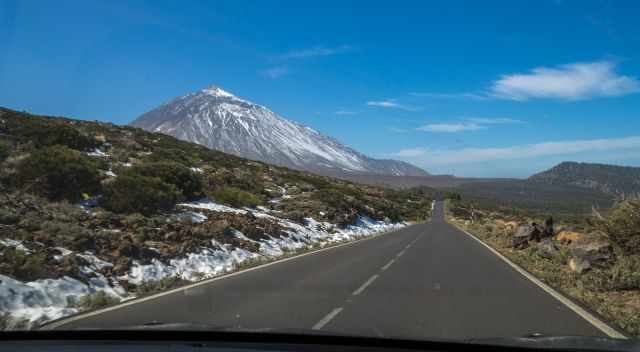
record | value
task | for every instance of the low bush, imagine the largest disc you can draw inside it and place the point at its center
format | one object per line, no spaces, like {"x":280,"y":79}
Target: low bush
{"x":622,"y":226}
{"x":96,"y":300}
{"x":235,"y":197}
{"x":58,"y":173}
{"x":173,"y":173}
{"x":4,"y":150}
{"x":56,"y":134}
{"x":150,"y":287}
{"x":134,"y":193}
{"x":23,"y":266}
{"x":7,"y":322}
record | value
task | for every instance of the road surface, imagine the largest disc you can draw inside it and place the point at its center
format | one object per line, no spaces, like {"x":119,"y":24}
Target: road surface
{"x":426,"y":281}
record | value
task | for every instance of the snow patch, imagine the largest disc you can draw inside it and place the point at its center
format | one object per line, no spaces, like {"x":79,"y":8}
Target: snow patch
{"x":97,"y":153}
{"x":7,"y":242}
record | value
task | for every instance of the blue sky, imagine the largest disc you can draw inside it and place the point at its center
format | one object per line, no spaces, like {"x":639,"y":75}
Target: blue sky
{"x":472,"y":88}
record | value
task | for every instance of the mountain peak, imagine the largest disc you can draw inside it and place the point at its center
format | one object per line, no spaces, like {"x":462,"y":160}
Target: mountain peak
{"x":219,"y":120}
{"x":217,"y":92}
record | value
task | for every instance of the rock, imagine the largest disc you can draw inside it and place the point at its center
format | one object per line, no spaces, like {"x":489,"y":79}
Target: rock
{"x":579,"y":265}
{"x":596,"y":253}
{"x":568,"y":237}
{"x":524,"y":234}
{"x":546,"y":248}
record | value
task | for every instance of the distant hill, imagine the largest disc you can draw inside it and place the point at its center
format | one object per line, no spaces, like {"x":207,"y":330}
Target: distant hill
{"x":609,"y":179}
{"x":567,"y":187}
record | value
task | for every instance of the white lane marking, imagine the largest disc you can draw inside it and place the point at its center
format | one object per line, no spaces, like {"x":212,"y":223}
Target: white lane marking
{"x":361,"y":288}
{"x":58,"y":323}
{"x":407,"y":247}
{"x":324,"y":321}
{"x":388,"y":264}
{"x":602,"y":326}
{"x":400,"y":254}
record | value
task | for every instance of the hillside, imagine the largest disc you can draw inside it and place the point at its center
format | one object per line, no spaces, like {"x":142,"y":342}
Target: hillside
{"x":219,"y":120}
{"x":610,"y":179}
{"x":92,"y":213}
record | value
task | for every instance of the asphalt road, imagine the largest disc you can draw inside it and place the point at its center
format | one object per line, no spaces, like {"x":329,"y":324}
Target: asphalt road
{"x":425,"y":281}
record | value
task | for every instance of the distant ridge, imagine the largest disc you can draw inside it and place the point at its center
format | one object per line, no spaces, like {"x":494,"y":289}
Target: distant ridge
{"x":609,"y":179}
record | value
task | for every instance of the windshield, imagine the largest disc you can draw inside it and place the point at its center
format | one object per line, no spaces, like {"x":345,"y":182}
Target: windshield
{"x":422,"y":170}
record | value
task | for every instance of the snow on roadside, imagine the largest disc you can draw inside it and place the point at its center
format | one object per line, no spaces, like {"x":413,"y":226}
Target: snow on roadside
{"x":207,"y":263}
{"x":48,"y":299}
{"x":44,"y":300}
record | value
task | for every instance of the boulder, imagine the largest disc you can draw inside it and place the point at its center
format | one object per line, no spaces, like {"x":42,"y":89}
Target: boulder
{"x":595,"y":253}
{"x":579,"y":265}
{"x":524,"y":234}
{"x":546,"y":248}
{"x":568,"y":237}
{"x":511,"y":225}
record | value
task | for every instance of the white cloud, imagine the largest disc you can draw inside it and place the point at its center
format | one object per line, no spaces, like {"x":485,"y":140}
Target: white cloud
{"x":466,"y":96}
{"x":275,"y":72}
{"x":450,"y":127}
{"x":409,"y":153}
{"x":315,"y":51}
{"x":470,"y":124}
{"x":392,"y":104}
{"x":493,"y":120}
{"x":345,"y":112}
{"x":397,"y":130}
{"x":426,"y":156}
{"x":574,"y":81}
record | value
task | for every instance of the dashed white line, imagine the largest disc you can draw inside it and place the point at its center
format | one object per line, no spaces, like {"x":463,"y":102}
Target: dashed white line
{"x":388,"y":264}
{"x":400,"y":254}
{"x":324,"y":321}
{"x":361,"y":288}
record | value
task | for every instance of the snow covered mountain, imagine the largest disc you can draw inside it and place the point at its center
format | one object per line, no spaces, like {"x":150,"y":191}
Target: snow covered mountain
{"x":219,"y":120}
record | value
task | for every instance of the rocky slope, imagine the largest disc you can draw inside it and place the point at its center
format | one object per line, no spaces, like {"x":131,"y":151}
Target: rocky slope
{"x":92,"y":213}
{"x":609,"y":179}
{"x":219,"y":120}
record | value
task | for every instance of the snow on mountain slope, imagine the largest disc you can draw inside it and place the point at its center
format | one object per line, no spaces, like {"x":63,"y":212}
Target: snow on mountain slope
{"x":219,"y":120}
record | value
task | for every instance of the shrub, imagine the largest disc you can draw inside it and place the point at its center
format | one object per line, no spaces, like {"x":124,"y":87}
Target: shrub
{"x":169,"y":155}
{"x":235,"y":197}
{"x":623,"y":226}
{"x":56,"y":134}
{"x":23,"y":266}
{"x":8,"y":217}
{"x":150,"y":287}
{"x":58,"y":173}
{"x":173,"y":173}
{"x":7,"y":322}
{"x":452,"y":196}
{"x":134,"y":193}
{"x":96,"y":300}
{"x":4,"y":150}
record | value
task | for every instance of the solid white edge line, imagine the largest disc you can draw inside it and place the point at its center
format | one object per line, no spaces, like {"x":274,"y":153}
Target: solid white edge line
{"x":57,"y":323}
{"x":593,"y":320}
{"x":324,"y":321}
{"x":364,"y":286}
